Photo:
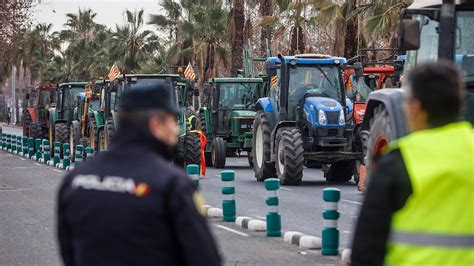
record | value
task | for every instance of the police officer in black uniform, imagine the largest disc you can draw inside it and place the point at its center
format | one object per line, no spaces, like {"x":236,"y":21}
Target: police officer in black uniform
{"x":129,"y":205}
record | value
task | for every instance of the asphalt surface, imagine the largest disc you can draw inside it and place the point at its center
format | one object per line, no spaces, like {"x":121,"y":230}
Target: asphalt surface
{"x":27,"y":206}
{"x":300,"y":206}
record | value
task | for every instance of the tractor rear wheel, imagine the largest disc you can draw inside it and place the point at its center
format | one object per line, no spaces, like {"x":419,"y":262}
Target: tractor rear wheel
{"x":26,"y":123}
{"x":109,"y":132}
{"x":61,"y":133}
{"x":380,"y":136}
{"x":35,"y":130}
{"x":341,"y":171}
{"x":290,"y":156}
{"x":218,"y":153}
{"x":74,"y":138}
{"x":192,"y":148}
{"x":201,"y":125}
{"x":261,"y":147}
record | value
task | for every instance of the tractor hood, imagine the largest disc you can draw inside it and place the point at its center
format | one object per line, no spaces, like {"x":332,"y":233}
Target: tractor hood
{"x":244,"y":114}
{"x":322,"y":103}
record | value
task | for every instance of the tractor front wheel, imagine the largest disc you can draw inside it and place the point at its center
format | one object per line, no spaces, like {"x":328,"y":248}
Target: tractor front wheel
{"x":101,"y":142}
{"x":109,"y":132}
{"x":192,"y":149}
{"x":218,"y":153}
{"x":74,"y":138}
{"x":26,"y":123}
{"x":61,"y":133}
{"x":290,"y":156}
{"x":35,"y":130}
{"x":261,"y":147}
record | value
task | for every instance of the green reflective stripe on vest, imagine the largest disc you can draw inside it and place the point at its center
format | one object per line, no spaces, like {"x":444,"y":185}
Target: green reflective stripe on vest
{"x":440,"y":164}
{"x":448,"y":241}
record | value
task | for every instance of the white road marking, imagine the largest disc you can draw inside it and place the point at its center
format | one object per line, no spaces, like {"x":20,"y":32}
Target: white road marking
{"x":217,"y":175}
{"x":243,"y":162}
{"x":353,"y":202}
{"x":231,"y":230}
{"x":37,"y":164}
{"x":260,"y":217}
{"x":23,"y":159}
{"x":59,"y":171}
{"x":285,"y":188}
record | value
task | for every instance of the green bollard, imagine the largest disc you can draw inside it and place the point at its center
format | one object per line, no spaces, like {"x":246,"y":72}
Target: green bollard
{"x":25,"y":146}
{"x":4,"y":139}
{"x":89,"y":153}
{"x":66,"y":154}
{"x":228,"y":193}
{"x":13,"y":143}
{"x":31,"y":147}
{"x":273,"y":216}
{"x":56,"y":153}
{"x":19,"y":146}
{"x":193,"y":172}
{"x":330,"y":233}
{"x":46,"y":151}
{"x":38,"y":148}
{"x":78,"y":156}
{"x":9,"y":142}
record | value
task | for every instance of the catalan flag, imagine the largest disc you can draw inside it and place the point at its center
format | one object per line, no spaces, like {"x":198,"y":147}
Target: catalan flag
{"x":189,"y":72}
{"x":274,"y":80}
{"x":114,"y":72}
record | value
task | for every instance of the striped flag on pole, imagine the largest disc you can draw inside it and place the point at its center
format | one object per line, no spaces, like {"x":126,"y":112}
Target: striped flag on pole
{"x":274,"y":80}
{"x":189,"y":72}
{"x":114,"y":72}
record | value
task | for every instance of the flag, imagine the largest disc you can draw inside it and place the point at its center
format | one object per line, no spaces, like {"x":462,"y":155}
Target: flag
{"x":114,"y":72}
{"x":274,"y":80}
{"x":189,"y":72}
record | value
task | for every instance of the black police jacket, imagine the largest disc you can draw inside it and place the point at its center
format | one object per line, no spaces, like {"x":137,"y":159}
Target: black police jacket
{"x":130,"y":206}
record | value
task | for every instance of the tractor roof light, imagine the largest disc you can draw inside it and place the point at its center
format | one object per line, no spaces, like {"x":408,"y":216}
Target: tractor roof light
{"x":293,"y":62}
{"x":337,"y":62}
{"x":342,"y":119}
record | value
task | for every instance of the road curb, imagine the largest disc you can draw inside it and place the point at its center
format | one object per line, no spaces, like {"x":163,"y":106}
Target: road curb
{"x":251,"y":224}
{"x":212,"y":212}
{"x":302,"y":240}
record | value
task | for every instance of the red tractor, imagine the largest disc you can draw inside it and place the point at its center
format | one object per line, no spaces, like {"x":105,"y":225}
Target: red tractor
{"x":35,"y":115}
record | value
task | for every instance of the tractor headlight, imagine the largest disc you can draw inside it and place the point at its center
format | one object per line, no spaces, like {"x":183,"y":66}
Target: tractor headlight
{"x":322,"y":117}
{"x":342,"y":119}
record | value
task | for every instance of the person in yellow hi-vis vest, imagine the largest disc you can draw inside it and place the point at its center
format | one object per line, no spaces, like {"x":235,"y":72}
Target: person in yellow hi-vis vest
{"x":419,"y":207}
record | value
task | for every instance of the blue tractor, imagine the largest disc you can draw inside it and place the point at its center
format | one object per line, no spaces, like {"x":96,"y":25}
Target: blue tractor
{"x":306,"y":120}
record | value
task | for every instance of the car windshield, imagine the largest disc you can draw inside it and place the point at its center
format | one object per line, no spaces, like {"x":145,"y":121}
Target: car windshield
{"x":44,"y":98}
{"x":238,"y":96}
{"x":94,"y":104}
{"x":316,"y":80}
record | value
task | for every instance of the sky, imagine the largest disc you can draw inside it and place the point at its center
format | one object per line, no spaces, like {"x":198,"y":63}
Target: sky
{"x":109,"y":12}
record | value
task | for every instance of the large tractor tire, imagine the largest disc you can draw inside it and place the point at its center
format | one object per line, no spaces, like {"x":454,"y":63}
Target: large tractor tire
{"x":61,"y":133}
{"x":341,"y":171}
{"x":201,"y":124}
{"x":35,"y":130}
{"x":261,"y":147}
{"x":218,"y":153}
{"x":109,"y":132}
{"x":26,"y":123}
{"x":192,"y":149}
{"x":208,"y":157}
{"x":74,"y":137}
{"x":380,"y":136}
{"x":93,"y":134}
{"x":290,"y":156}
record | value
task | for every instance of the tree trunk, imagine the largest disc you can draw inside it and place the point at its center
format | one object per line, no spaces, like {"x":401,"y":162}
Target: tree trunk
{"x":238,"y":18}
{"x":266,"y":31}
{"x":338,"y":48}
{"x":351,"y":40}
{"x":297,"y":40}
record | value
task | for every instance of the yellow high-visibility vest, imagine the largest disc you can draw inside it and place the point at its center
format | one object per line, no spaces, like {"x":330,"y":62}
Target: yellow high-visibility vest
{"x":436,"y":225}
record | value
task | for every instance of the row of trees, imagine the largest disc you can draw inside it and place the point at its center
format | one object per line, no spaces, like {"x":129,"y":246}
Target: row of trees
{"x":209,"y":33}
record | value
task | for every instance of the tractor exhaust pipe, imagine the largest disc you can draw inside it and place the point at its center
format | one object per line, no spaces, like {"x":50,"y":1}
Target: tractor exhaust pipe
{"x":283,"y":115}
{"x":446,"y":31}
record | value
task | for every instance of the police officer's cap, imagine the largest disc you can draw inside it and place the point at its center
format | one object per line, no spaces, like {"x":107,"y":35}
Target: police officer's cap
{"x":158,"y":97}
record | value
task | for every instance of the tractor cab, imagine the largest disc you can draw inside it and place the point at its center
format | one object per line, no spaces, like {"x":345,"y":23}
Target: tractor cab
{"x":228,"y":117}
{"x":35,"y":116}
{"x":306,"y":120}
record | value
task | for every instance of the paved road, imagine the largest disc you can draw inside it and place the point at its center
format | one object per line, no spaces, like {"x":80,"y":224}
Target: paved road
{"x":300,"y":206}
{"x":27,"y":230}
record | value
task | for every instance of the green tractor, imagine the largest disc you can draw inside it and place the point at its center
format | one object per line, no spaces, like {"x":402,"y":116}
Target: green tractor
{"x":61,"y":113}
{"x":87,"y":117}
{"x":228,"y":118}
{"x":189,"y":149}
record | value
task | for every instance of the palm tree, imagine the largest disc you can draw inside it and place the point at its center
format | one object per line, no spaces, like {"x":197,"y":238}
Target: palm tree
{"x":131,"y":46}
{"x":236,"y":35}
